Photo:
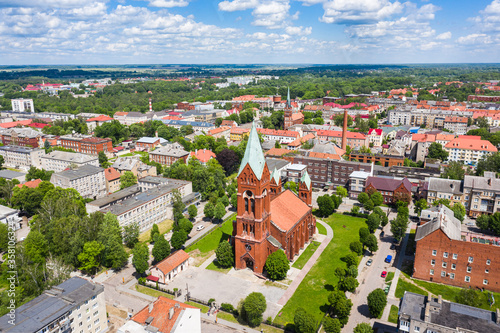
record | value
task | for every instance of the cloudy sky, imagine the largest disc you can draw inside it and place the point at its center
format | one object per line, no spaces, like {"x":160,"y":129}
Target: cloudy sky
{"x":248,"y":31}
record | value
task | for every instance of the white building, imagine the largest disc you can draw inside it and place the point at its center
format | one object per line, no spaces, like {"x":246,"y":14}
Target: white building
{"x":10,"y":217}
{"x":88,"y":180}
{"x":59,"y":160}
{"x":22,"y":158}
{"x":22,"y":105}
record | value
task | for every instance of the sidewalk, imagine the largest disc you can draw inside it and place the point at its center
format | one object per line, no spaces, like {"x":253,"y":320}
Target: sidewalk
{"x":307,"y":267}
{"x":207,"y":230}
{"x":223,"y":322}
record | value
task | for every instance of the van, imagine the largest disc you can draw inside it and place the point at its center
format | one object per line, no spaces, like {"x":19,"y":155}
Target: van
{"x":388,"y":259}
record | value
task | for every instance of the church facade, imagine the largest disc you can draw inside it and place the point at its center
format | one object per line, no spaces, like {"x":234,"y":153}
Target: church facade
{"x":268,"y":218}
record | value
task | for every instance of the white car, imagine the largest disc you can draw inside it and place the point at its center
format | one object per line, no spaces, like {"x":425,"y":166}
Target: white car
{"x":200,"y":227}
{"x":369,"y":262}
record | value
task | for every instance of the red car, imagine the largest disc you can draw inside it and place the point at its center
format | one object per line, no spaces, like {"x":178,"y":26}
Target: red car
{"x":384,"y":274}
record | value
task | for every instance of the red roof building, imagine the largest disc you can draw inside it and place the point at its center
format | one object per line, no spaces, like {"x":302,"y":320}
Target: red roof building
{"x":202,"y":155}
{"x":354,"y":139}
{"x":392,"y":190}
{"x":31,"y":184}
{"x":168,"y":268}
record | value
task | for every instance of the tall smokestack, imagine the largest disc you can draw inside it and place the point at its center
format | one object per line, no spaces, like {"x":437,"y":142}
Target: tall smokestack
{"x":344,"y":131}
{"x":150,"y":106}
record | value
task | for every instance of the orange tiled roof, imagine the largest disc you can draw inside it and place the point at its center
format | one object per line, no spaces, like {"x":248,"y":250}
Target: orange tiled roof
{"x":337,"y":156}
{"x":120,"y":113}
{"x":455,"y":119}
{"x":470,"y":137}
{"x":287,"y":209}
{"x":203,"y":155}
{"x":16,"y":123}
{"x":229,"y":123}
{"x":100,"y":118}
{"x":239,"y":130}
{"x":423,"y":137}
{"x":111,"y":174}
{"x":160,"y":314}
{"x":471,"y":144}
{"x":219,"y":130}
{"x":444,"y":137}
{"x":297,"y":116}
{"x":267,"y":131}
{"x":338,"y":134}
{"x":278,"y":151}
{"x":297,"y":142}
{"x":172,"y":261}
{"x":244,"y":98}
{"x":30,"y":184}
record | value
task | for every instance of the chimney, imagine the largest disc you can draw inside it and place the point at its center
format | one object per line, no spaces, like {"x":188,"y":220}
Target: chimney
{"x":150,"y":106}
{"x":150,"y":307}
{"x":440,"y":299}
{"x":344,"y":131}
{"x":427,"y":313}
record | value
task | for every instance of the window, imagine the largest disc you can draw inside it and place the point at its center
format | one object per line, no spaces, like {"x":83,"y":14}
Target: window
{"x":433,"y":262}
{"x":486,"y":271}
{"x":432,"y":272}
{"x":79,"y":315}
{"x":452,"y":276}
{"x":88,"y":318}
{"x":434,"y":252}
{"x":467,"y":279}
{"x":488,"y":262}
{"x":453,"y":266}
{"x":445,"y":264}
{"x":403,"y":323}
{"x":455,"y":256}
{"x":96,"y":313}
{"x":443,"y":274}
{"x":469,"y":269}
{"x":96,"y":321}
{"x":471,"y":259}
{"x":416,"y":329}
{"x":485,"y":281}
{"x":445,"y":255}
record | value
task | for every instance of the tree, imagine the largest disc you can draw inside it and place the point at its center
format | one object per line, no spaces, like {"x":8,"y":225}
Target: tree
{"x":140,"y":258}
{"x":363,"y":234}
{"x":458,"y":211}
{"x":363,"y":198}
{"x":383,"y":216}
{"x":234,"y":200}
{"x":489,"y":162}
{"x":229,"y":160}
{"x":224,"y":254}
{"x":115,"y":255}
{"x":341,"y":192}
{"x":377,"y":300}
{"x":34,"y":173}
{"x":352,"y":271}
{"x":178,"y":206}
{"x":398,"y":227}
{"x":483,"y":222}
{"x":377,"y":199}
{"x":220,"y":211}
{"x":482,"y":122}
{"x":35,"y":246}
{"x":155,"y":232}
{"x":127,"y":179}
{"x":436,"y":151}
{"x":349,"y":284}
{"x":192,"y":211}
{"x":303,"y":321}
{"x":342,"y":309}
{"x":178,"y":239}
{"x":363,"y":328}
{"x":454,"y":170}
{"x":224,"y":200}
{"x":161,"y":249}
{"x":90,"y":257}
{"x":253,"y":308}
{"x":325,"y":205}
{"x":209,"y":210}
{"x":420,"y":205}
{"x":356,"y":247}
{"x":184,"y":224}
{"x":131,"y":235}
{"x":103,"y":160}
{"x":373,"y":222}
{"x":277,"y":265}
{"x":351,"y":260}
{"x":336,"y":201}
{"x":369,"y":205}
{"x":4,"y":237}
{"x":371,"y":243}
{"x":332,"y":325}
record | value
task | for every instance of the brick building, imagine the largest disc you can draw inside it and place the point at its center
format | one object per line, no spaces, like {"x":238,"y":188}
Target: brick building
{"x":268,"y":220}
{"x":149,"y":143}
{"x":87,"y":145}
{"x":291,"y":114}
{"x":24,"y":137}
{"x":353,"y":139}
{"x":383,"y":160}
{"x":445,"y":254}
{"x":392,"y":190}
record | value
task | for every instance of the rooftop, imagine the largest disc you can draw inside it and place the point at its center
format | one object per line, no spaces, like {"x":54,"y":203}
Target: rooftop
{"x":147,"y":139}
{"x":172,"y":261}
{"x":445,"y":185}
{"x":70,"y":157}
{"x":443,"y":219}
{"x":287,"y":209}
{"x":9,"y":174}
{"x":83,"y":171}
{"x":277,"y":163}
{"x":170,"y":149}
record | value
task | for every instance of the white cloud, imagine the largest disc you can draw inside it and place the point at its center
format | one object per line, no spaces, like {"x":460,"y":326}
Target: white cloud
{"x":93,"y":9}
{"x":444,"y":35}
{"x":475,"y":39}
{"x":41,"y":3}
{"x":359,"y":11}
{"x":168,"y":3}
{"x":489,"y":20}
{"x":298,"y":30}
{"x":272,"y":14}
{"x":232,"y":6}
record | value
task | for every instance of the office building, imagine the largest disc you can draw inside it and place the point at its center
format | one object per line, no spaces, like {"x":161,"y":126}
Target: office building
{"x":88,"y":180}
{"x":57,"y":160}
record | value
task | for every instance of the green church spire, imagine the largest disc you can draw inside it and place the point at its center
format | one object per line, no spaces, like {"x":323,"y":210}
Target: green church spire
{"x":253,"y":154}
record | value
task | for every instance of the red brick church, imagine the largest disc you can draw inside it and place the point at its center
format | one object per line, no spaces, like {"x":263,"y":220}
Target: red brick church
{"x":268,"y":218}
{"x":292,"y":114}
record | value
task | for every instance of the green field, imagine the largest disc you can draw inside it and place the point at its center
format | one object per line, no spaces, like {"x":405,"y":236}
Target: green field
{"x":393,"y":315}
{"x":306,"y":255}
{"x":214,"y":267}
{"x":152,"y":292}
{"x":407,"y":286}
{"x":389,"y":277}
{"x":321,"y":228}
{"x":312,"y":293}
{"x":211,"y":240}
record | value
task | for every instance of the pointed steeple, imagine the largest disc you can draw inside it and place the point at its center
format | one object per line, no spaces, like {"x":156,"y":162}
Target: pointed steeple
{"x":276,"y":176}
{"x":253,"y":154}
{"x":306,"y":179}
{"x":288,"y":103}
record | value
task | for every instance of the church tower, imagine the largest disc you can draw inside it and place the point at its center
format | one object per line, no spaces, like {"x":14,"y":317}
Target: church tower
{"x":288,"y":112}
{"x":252,"y":225}
{"x":275,"y":183}
{"x":305,"y":189}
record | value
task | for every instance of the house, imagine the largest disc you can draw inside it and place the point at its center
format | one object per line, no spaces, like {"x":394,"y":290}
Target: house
{"x":230,"y":123}
{"x":354,"y":139}
{"x":392,"y":190}
{"x":92,"y":123}
{"x":169,"y":154}
{"x":59,"y":160}
{"x":457,"y":125}
{"x":148,"y":143}
{"x":168,"y":268}
{"x":440,"y":188}
{"x":481,"y":194}
{"x":31,"y":184}
{"x":469,"y":150}
{"x":220,"y":132}
{"x":112,"y":180}
{"x":88,"y":180}
{"x":238,"y":133}
{"x":202,"y":155}
{"x":357,"y":182}
{"x":297,"y":143}
{"x":134,"y":165}
{"x":10,"y":217}
{"x":375,"y":137}
{"x":280,"y":135}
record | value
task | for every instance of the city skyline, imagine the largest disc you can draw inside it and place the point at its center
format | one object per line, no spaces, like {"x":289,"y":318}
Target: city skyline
{"x":248,"y":31}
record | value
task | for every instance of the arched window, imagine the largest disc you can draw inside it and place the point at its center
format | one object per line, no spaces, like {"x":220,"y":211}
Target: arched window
{"x":246,"y":204}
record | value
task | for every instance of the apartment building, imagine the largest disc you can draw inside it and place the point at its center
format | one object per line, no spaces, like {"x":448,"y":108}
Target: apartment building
{"x":197,"y":125}
{"x":59,"y":160}
{"x":149,"y":207}
{"x":76,"y":305}
{"x":426,"y":117}
{"x":440,"y":188}
{"x":88,"y":180}
{"x":134,"y":165}
{"x":419,"y":313}
{"x":22,"y":158}
{"x":112,"y":180}
{"x":383,"y":160}
{"x":375,"y":137}
{"x":220,"y":132}
{"x":24,"y":137}
{"x":446,"y":254}
{"x":22,"y":105}
{"x":353,"y":139}
{"x":468,"y":149}
{"x":482,"y":194}
{"x":281,"y":136}
{"x":357,"y":182}
{"x":87,"y":144}
{"x":457,"y":125}
{"x":149,"y":143}
{"x":93,"y":122}
{"x":238,"y":133}
{"x":169,"y":154}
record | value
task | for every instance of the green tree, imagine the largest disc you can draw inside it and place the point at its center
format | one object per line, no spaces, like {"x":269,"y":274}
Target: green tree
{"x":303,"y":321}
{"x":154,"y":233}
{"x":115,"y":255}
{"x":341,"y":192}
{"x":420,"y":205}
{"x":34,"y":173}
{"x":373,"y":222}
{"x":351,"y":260}
{"x":369,"y":205}
{"x":332,"y":325}
{"x":209,"y":210}
{"x":454,"y":170}
{"x":161,"y":249}
{"x":127,"y":179}
{"x":131,"y":235}
{"x":436,"y":151}
{"x":398,"y":227}
{"x":489,"y":162}
{"x":4,"y":237}
{"x":483,"y":222}
{"x":234,"y":200}
{"x":363,"y":198}
{"x":140,"y":258}
{"x":224,"y":200}
{"x":342,"y":309}
{"x":253,"y":308}
{"x":363,"y":234}
{"x":363,"y":328}
{"x":178,"y":206}
{"x":36,"y":246}
{"x":225,"y":254}
{"x":90,"y":258}
{"x":377,"y":198}
{"x":178,"y":239}
{"x":184,"y":224}
{"x":371,"y":243}
{"x":220,"y":211}
{"x":349,"y":284}
{"x":356,"y":247}
{"x":482,"y":122}
{"x":192,"y":211}
{"x":383,"y":216}
{"x":277,"y":265}
{"x":377,"y":300}
{"x":103,"y":160}
{"x":325,"y":205}
{"x":336,"y":200}
{"x":458,"y":211}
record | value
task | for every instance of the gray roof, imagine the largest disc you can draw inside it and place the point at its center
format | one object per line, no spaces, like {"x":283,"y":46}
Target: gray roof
{"x":444,"y":220}
{"x":70,"y":157}
{"x":254,"y":156}
{"x":116,"y":196}
{"x":83,"y":171}
{"x":22,"y":132}
{"x":147,"y":139}
{"x":448,"y":314}
{"x":489,"y":182}
{"x":18,"y":149}
{"x":276,"y":163}
{"x":51,"y":305}
{"x":445,"y":185}
{"x":186,"y":122}
{"x":154,"y":180}
{"x":9,"y":174}
{"x":126,"y":163}
{"x":172,"y":149}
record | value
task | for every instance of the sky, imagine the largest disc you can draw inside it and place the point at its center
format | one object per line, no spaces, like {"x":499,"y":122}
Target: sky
{"x":57,"y":32}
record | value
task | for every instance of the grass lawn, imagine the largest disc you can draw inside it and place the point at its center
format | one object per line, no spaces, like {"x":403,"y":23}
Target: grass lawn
{"x":152,"y":292}
{"x":393,"y":315}
{"x":312,"y":293}
{"x":389,"y":277}
{"x":262,"y":327}
{"x":212,"y":239}
{"x":304,"y":257}
{"x":203,"y":308}
{"x":407,"y":286}
{"x":164,"y":227}
{"x":321,"y":229}
{"x":214,"y":267}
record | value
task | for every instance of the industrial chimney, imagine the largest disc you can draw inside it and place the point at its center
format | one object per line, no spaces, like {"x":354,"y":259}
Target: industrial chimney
{"x":150,"y":106}
{"x":344,"y":131}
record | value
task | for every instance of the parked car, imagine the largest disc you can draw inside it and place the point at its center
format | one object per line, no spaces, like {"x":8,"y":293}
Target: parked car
{"x":393,"y":247}
{"x":382,"y":234}
{"x":388,"y":259}
{"x":384,"y":274}
{"x":369,"y":262}
{"x":200,"y":227}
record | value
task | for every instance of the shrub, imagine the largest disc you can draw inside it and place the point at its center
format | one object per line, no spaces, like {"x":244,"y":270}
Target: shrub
{"x":277,"y":265}
{"x":356,"y":247}
{"x":227,"y":307}
{"x":253,"y":307}
{"x":210,"y":301}
{"x":377,"y":300}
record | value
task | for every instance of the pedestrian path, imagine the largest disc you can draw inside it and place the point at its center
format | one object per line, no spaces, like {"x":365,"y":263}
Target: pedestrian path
{"x":223,"y":322}
{"x":307,"y":267}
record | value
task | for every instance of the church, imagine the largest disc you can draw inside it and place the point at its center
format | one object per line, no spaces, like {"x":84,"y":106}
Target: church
{"x":291,"y":113}
{"x":268,"y":218}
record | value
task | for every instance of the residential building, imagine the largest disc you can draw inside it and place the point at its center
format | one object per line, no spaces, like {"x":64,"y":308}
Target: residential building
{"x":165,"y":271}
{"x":93,"y":122}
{"x":230,"y":123}
{"x":76,"y":305}
{"x":87,"y":144}
{"x":357,"y":182}
{"x":440,"y":188}
{"x":392,"y":190}
{"x":202,"y":155}
{"x":21,"y":158}
{"x":457,"y":125}
{"x":294,"y":172}
{"x":354,"y":139}
{"x":88,"y":180}
{"x":197,"y":125}
{"x":444,"y":138}
{"x":481,"y":194}
{"x":419,"y":313}
{"x":169,"y":154}
{"x":375,"y":137}
{"x":281,"y":136}
{"x":148,"y":143}
{"x":134,"y":165}
{"x":469,"y":150}
{"x":164,"y":316}
{"x":446,"y":254}
{"x":420,"y":146}
{"x":22,"y":105}
{"x":113,"y":198}
{"x":483,"y":98}
{"x":383,"y":160}
{"x":238,"y":133}
{"x":424,"y":116}
{"x":11,"y":175}
{"x":31,"y":184}
{"x":220,"y":132}
{"x":59,"y":160}
{"x":112,"y":180}
{"x":10,"y":217}
{"x":24,"y":137}
{"x":146,"y":208}
{"x":297,"y":143}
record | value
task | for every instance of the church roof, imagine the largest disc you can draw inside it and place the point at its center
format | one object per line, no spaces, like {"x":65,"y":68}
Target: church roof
{"x":288,"y":98}
{"x":276,"y":176}
{"x":287,"y":209}
{"x":306,"y":179}
{"x":254,"y":156}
